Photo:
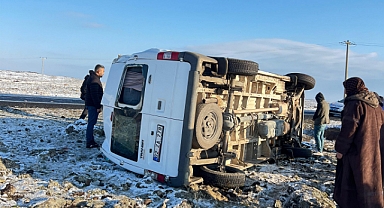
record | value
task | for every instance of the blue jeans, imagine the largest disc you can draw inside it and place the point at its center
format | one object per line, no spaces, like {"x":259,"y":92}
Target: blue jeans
{"x":92,"y":120}
{"x":319,"y":137}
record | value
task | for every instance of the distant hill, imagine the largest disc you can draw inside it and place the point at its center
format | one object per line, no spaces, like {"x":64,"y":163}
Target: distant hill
{"x":32,"y":83}
{"x":310,"y":104}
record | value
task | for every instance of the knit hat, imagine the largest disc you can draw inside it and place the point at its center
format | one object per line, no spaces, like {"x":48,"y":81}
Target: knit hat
{"x":354,"y":85}
{"x":319,"y":97}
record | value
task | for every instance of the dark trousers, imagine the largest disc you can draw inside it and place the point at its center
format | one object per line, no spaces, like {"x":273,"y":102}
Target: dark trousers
{"x":92,"y":120}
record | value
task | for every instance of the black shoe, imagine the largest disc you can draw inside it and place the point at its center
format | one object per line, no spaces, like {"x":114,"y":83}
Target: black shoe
{"x":93,"y":146}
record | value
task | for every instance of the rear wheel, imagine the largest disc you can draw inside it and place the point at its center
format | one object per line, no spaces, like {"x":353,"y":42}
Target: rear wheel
{"x":208,"y":127}
{"x":303,"y":80}
{"x":242,"y":67}
{"x":231,"y":178}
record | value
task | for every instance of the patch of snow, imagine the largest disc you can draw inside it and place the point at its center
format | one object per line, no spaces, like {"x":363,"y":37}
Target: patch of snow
{"x":43,"y":161}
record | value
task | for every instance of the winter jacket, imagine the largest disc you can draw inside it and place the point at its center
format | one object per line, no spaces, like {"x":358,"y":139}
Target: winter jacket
{"x":94,"y":91}
{"x":359,"y":173}
{"x":321,"y":115}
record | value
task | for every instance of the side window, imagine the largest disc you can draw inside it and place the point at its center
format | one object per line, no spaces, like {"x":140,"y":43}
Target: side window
{"x":132,"y":87}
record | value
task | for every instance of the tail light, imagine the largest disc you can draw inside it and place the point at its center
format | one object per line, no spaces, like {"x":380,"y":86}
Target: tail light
{"x":168,"y":55}
{"x":156,"y":176}
{"x":160,"y":177}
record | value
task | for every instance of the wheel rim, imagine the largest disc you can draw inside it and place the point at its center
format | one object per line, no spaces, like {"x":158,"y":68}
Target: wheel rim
{"x":209,"y":122}
{"x":208,"y":126}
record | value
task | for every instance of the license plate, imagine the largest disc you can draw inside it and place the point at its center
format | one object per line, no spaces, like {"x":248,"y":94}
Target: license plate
{"x":158,"y":141}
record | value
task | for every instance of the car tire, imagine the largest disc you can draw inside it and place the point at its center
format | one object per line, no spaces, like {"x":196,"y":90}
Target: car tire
{"x":208,"y":126}
{"x":242,"y":67}
{"x":303,"y":80}
{"x":231,"y":178}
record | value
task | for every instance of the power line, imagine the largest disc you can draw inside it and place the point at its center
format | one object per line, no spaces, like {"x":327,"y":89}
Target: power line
{"x":306,"y":46}
{"x":370,"y":45}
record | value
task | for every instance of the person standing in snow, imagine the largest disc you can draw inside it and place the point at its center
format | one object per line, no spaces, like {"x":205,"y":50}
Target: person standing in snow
{"x":83,"y":90}
{"x":320,"y":118}
{"x":93,"y":102}
{"x":360,"y":149}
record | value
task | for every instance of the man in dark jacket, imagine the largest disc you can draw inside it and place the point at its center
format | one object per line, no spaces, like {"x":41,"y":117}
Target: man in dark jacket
{"x":93,"y":102}
{"x":320,"y":118}
{"x":360,"y":149}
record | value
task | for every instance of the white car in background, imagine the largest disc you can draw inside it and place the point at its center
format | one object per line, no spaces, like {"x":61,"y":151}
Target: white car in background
{"x":335,"y":108}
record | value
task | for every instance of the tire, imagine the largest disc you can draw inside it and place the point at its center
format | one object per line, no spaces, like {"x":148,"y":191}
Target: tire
{"x":231,"y":178}
{"x":304,"y":80}
{"x":242,"y":67}
{"x":297,"y":152}
{"x":208,"y":126}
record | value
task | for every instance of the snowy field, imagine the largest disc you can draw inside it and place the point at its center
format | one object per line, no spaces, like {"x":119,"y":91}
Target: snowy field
{"x":44,"y":163}
{"x":32,"y":83}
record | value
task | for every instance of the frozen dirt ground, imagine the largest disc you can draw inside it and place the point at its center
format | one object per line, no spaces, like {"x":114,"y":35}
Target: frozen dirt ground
{"x":44,"y":163}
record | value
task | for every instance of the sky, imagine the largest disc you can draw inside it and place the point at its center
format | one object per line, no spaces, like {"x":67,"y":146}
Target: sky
{"x":68,"y":38}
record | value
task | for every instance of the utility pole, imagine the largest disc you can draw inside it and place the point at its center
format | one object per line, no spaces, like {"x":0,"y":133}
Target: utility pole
{"x":42,"y":64}
{"x":347,"y":43}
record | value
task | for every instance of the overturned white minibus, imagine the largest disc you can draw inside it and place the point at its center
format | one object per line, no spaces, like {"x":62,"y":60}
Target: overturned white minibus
{"x":185,"y":118}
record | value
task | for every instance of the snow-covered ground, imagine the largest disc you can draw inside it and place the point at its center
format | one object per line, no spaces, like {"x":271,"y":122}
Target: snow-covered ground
{"x":32,"y":83}
{"x":44,"y":163}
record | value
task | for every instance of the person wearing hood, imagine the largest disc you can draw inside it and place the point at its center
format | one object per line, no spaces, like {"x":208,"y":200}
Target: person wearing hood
{"x":320,"y":118}
{"x":360,"y":149}
{"x":93,"y":102}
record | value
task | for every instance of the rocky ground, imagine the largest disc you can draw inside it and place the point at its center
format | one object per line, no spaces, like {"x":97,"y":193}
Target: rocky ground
{"x":44,"y":164}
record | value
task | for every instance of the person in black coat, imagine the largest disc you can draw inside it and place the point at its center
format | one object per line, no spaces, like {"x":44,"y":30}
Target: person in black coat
{"x":93,"y":102}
